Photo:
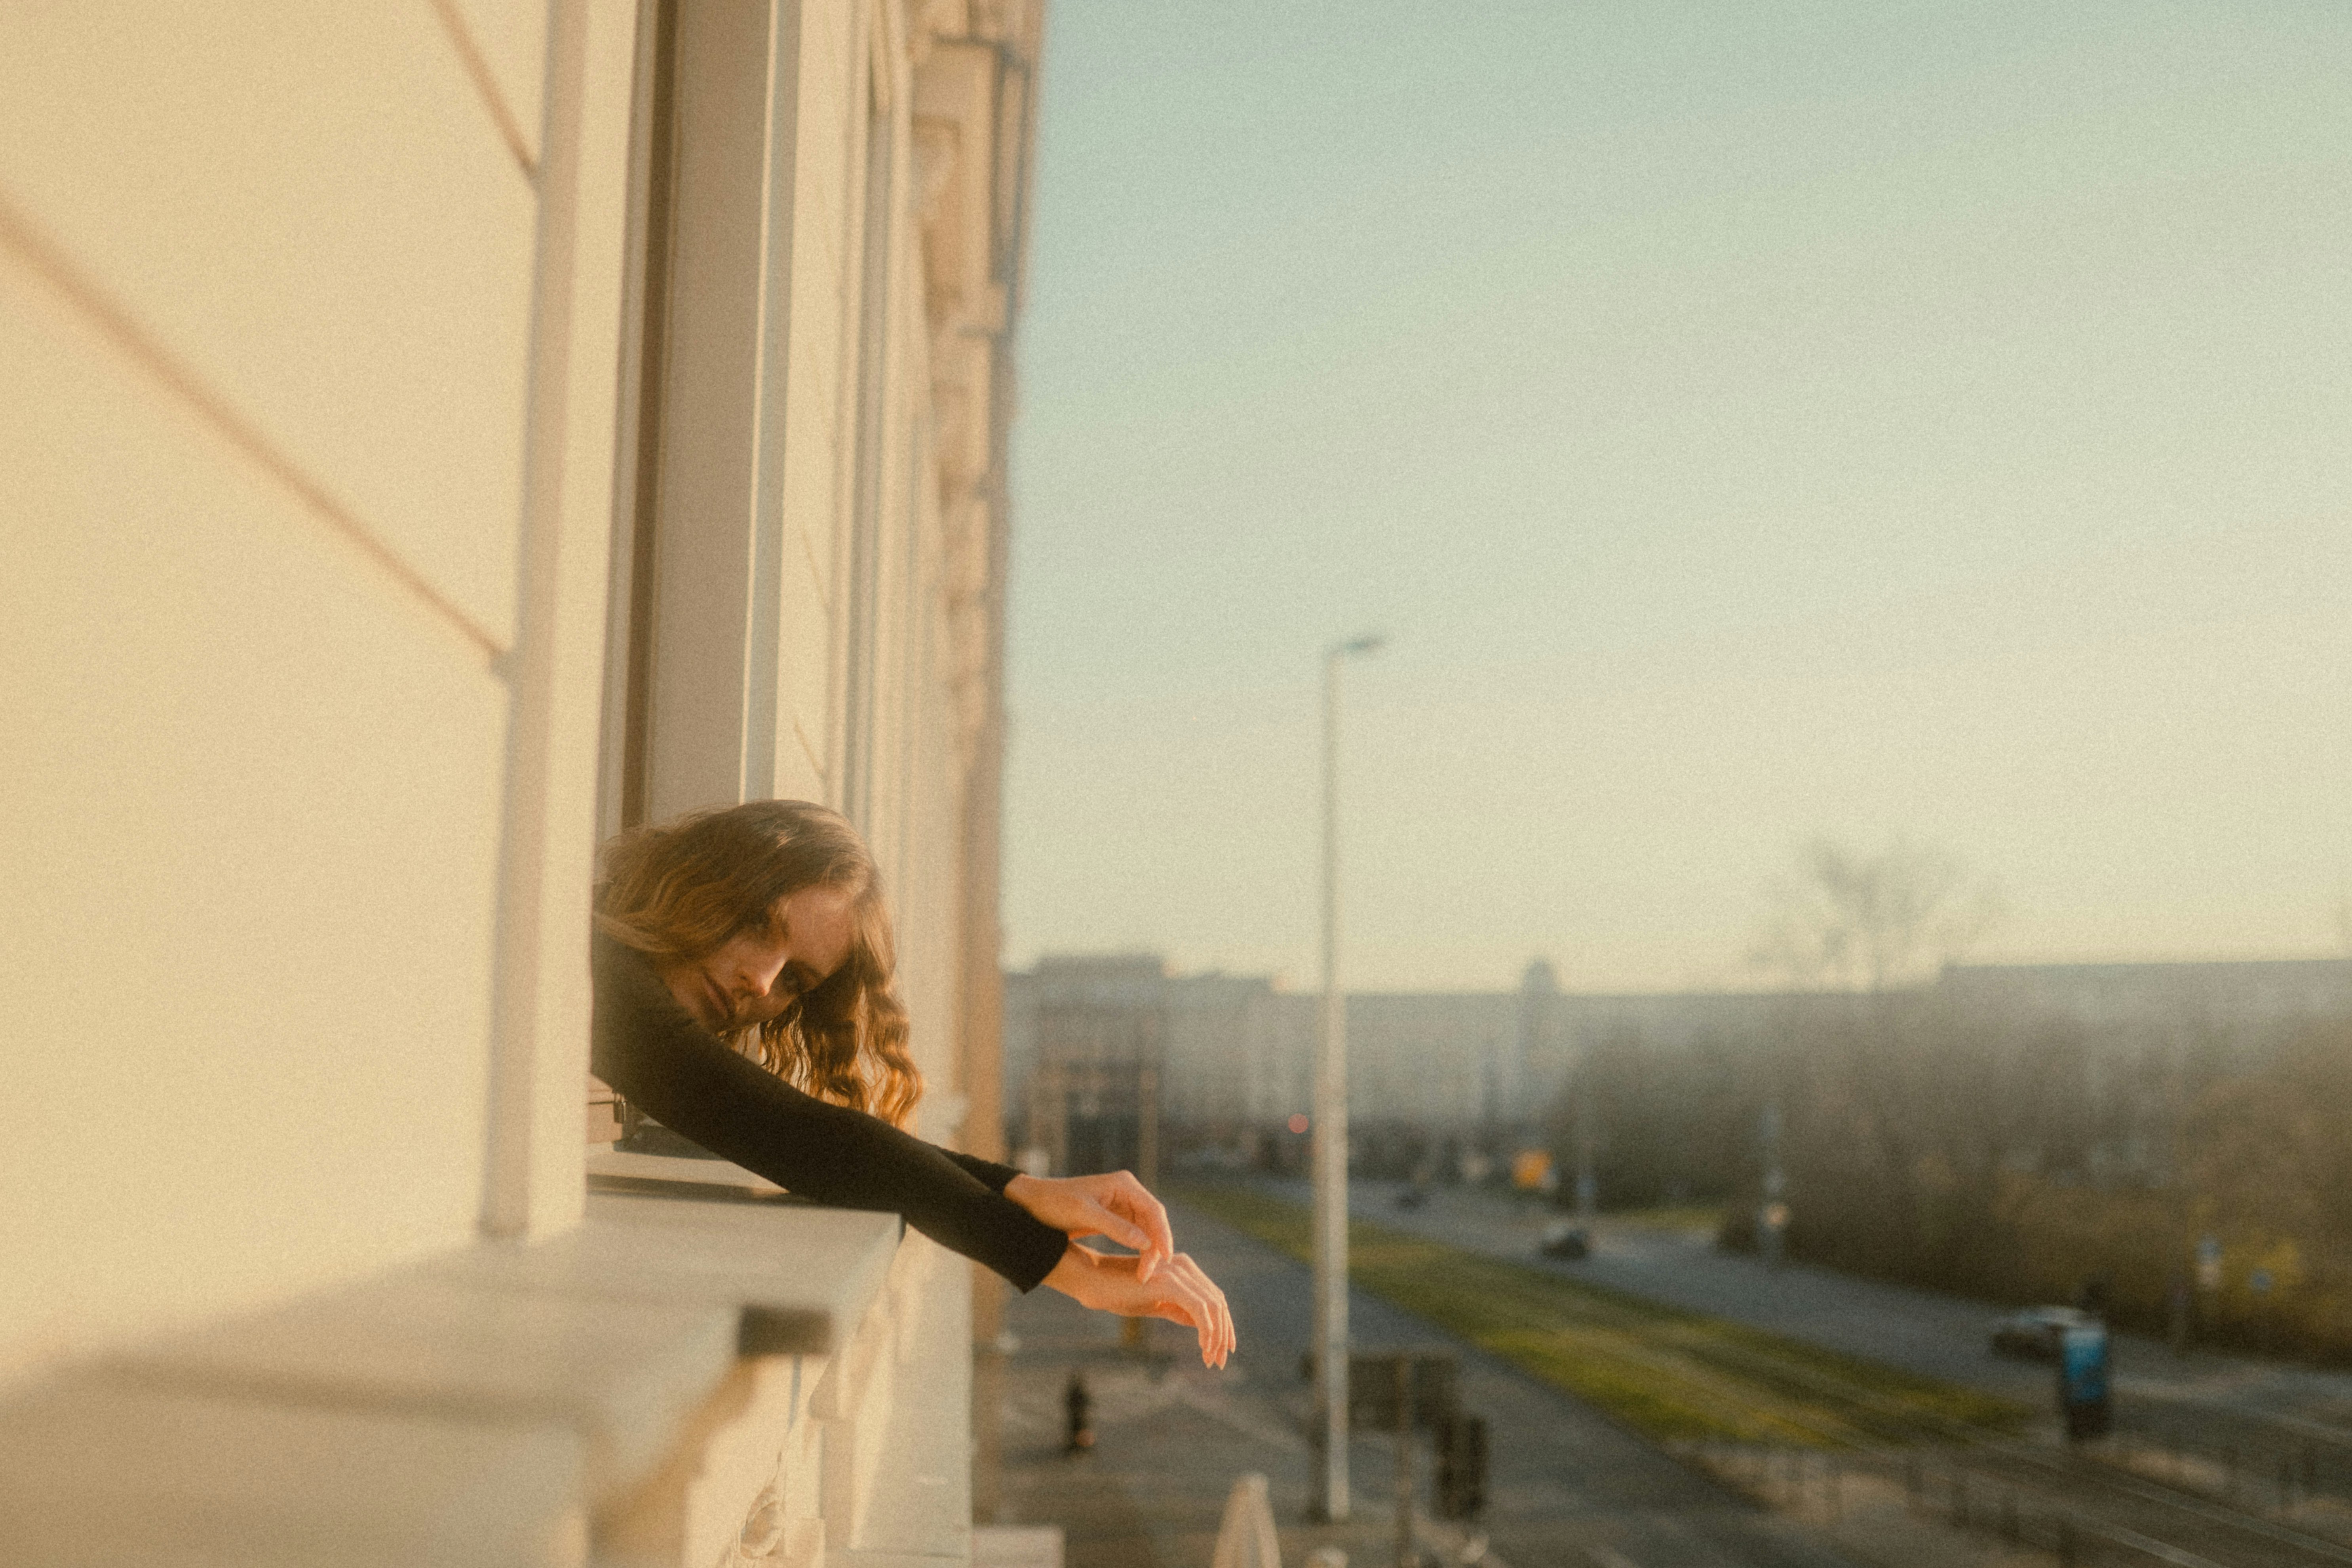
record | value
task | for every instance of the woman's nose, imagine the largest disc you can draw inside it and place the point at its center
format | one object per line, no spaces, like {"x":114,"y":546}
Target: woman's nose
{"x":758,"y":976}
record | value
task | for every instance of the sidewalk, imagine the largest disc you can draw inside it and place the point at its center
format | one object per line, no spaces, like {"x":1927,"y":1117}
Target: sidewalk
{"x":1171,"y":1438}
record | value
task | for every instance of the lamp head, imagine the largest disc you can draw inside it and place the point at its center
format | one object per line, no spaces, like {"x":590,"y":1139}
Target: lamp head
{"x":1370,"y":642}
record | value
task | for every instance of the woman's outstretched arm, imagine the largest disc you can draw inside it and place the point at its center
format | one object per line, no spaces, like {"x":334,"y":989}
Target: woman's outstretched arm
{"x":687,"y":1078}
{"x":690,"y":1080}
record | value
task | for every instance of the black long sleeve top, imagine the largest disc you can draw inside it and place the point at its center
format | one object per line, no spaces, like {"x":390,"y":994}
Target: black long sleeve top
{"x":647,"y":1047}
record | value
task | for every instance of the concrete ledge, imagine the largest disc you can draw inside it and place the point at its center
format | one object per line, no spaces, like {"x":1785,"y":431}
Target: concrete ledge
{"x":797,"y":1278}
{"x":916,"y":1501}
{"x":1017,"y":1546}
{"x":475,"y":1408}
{"x":611,"y":1170}
{"x":622,"y":1375}
{"x":93,"y":1475}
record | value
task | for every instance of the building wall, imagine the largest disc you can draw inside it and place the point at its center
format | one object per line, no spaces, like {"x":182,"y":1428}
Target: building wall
{"x":268,"y":276}
{"x":1230,"y":1050}
{"x":426,"y":438}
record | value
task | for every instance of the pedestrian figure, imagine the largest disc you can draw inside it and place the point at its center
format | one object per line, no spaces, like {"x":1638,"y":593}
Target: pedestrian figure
{"x":1078,"y":1403}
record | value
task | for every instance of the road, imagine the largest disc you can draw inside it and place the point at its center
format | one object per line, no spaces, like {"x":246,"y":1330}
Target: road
{"x":2281,"y":1428}
{"x":1568,"y":1486}
{"x":1919,"y":1330}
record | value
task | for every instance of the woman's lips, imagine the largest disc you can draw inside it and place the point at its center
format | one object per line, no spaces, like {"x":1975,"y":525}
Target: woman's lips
{"x":719,"y":1012}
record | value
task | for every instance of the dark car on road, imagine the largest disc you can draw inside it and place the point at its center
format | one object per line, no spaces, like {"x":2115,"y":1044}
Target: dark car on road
{"x":2034,"y":1332}
{"x":1561,"y":1239}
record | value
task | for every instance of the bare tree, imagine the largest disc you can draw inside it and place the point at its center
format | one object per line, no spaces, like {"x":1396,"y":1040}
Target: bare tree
{"x":1900,"y":1112}
{"x":1870,"y":922}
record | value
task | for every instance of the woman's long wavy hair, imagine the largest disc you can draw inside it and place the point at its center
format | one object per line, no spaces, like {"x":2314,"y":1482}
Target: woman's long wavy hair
{"x":679,"y":892}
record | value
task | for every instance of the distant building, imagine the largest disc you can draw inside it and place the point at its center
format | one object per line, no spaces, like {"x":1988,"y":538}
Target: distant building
{"x":1100,"y":1048}
{"x":2226,"y":1005}
{"x":1091,"y":1083}
{"x":1439,"y":1058}
{"x":1234,"y":1051}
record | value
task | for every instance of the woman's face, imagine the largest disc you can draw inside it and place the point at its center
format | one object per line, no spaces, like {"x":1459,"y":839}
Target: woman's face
{"x":757,"y":973}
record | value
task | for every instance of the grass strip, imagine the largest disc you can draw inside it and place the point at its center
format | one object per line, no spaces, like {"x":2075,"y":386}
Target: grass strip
{"x":1690,"y":1219}
{"x":1670,"y":1373}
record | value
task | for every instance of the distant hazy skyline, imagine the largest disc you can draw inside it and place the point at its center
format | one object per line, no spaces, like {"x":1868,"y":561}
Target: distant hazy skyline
{"x":1750,"y":422}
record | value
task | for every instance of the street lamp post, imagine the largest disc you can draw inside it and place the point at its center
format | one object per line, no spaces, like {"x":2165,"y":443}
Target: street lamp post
{"x":1330,"y":1142}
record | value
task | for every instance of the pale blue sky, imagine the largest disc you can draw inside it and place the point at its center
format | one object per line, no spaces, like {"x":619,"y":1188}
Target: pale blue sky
{"x":1751,"y":420}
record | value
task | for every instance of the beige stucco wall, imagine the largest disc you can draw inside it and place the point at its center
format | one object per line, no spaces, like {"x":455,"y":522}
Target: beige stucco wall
{"x":266,"y":278}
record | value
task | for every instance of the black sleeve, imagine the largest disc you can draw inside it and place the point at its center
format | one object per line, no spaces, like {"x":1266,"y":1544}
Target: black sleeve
{"x":686,"y":1079}
{"x":991,"y":1174}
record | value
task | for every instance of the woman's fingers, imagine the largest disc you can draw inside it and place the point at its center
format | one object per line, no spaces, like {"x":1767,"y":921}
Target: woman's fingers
{"x":1188,"y":1306}
{"x":1180,"y":1292}
{"x":1224,"y":1316}
{"x":1203,"y":1305}
{"x":1144,"y":1216}
{"x":1087,"y":1205}
{"x":1109,"y":1221}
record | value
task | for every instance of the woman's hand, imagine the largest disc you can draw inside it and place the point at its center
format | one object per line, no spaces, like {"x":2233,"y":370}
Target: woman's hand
{"x":1115,"y":1206}
{"x":1177,"y":1292}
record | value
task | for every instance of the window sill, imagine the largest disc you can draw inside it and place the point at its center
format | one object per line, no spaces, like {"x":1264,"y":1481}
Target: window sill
{"x":476,"y":1408}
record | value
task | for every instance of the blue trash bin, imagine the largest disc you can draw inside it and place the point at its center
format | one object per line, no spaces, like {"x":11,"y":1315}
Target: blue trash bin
{"x":2083,"y":1397}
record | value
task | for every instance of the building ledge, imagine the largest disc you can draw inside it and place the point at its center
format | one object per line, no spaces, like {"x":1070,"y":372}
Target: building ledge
{"x":796,"y":1278}
{"x":920,"y":1507}
{"x":96,"y":1474}
{"x":611,"y":1170}
{"x":517,"y":1386}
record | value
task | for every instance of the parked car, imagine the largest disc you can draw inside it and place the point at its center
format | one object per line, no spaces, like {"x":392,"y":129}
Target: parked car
{"x":1410,"y":1198}
{"x":2034,"y":1332}
{"x":1561,"y":1239}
